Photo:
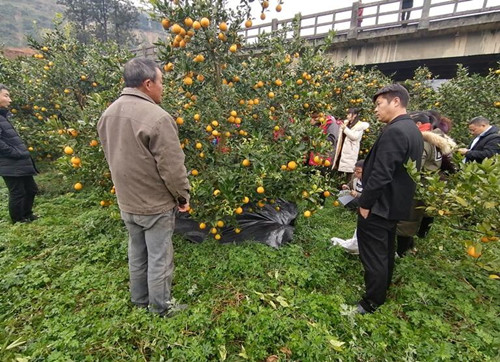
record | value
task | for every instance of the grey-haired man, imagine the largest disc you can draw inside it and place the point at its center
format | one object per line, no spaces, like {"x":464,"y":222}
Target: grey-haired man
{"x":142,"y":148}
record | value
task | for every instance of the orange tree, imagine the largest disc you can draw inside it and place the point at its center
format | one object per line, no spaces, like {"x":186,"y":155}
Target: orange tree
{"x":422,"y":95}
{"x":244,"y":110}
{"x":467,"y":96}
{"x":58,"y":96}
{"x":466,"y":202}
{"x":461,"y":98}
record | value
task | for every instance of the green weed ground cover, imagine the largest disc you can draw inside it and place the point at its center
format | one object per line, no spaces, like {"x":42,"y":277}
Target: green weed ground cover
{"x":64,"y":295}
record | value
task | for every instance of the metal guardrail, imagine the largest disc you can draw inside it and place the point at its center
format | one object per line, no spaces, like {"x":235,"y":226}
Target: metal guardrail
{"x":376,"y":15}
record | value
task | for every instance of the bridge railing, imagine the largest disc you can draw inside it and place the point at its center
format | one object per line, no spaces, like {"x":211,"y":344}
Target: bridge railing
{"x":376,"y":15}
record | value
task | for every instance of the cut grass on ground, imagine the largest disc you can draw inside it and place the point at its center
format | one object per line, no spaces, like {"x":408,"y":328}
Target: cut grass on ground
{"x":64,"y":295}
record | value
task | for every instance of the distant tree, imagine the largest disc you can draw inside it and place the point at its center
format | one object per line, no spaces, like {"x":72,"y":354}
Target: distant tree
{"x":103,"y":19}
{"x":124,"y":16}
{"x":80,"y":12}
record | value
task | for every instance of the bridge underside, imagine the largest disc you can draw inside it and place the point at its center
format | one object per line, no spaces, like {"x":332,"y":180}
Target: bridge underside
{"x":398,"y":51}
{"x":442,"y":68}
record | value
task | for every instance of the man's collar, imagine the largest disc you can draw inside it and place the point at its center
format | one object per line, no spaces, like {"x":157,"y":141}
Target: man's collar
{"x":130,"y":91}
{"x":486,"y":130}
{"x":398,"y":117}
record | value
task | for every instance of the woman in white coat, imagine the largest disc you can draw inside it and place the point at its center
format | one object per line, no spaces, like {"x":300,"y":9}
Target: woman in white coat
{"x":350,"y":135}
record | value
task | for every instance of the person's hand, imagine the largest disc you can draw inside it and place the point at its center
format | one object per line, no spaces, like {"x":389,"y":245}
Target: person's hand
{"x":463,"y":151}
{"x":364,"y":212}
{"x":345,"y":187}
{"x":183,"y":207}
{"x":343,"y":125}
{"x":354,"y":193}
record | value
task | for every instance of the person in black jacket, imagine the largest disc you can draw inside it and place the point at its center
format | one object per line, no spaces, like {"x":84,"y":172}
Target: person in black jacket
{"x":487,"y":141}
{"x":16,"y":166}
{"x":388,"y":191}
{"x":406,"y":4}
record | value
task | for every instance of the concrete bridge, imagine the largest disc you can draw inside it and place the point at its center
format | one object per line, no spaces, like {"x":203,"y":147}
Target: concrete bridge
{"x":438,"y":34}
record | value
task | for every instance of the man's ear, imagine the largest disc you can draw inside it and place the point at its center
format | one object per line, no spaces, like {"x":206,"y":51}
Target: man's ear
{"x":397,"y":101}
{"x":147,"y":83}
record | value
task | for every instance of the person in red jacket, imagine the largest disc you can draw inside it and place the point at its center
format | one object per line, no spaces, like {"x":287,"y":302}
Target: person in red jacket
{"x":360,"y":13}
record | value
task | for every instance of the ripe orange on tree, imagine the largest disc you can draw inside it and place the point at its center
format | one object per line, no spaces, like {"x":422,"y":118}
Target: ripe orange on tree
{"x":165,"y":23}
{"x":75,"y":160}
{"x":472,"y":251}
{"x":223,"y":26}
{"x":292,"y":165}
{"x":188,"y":22}
{"x":205,"y":22}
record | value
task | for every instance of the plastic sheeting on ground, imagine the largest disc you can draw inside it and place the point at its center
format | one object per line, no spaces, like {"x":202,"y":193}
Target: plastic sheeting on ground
{"x":265,"y":225}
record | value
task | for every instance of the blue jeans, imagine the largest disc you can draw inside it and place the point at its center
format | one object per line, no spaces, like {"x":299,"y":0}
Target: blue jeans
{"x":150,"y":259}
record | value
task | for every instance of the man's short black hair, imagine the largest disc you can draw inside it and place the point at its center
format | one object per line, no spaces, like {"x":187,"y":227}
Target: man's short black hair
{"x":480,"y":121}
{"x":2,"y":87}
{"x":359,"y":163}
{"x":420,"y":117}
{"x":392,"y":91}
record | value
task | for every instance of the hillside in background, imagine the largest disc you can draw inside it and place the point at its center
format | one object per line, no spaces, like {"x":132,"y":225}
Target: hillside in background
{"x":29,"y":17}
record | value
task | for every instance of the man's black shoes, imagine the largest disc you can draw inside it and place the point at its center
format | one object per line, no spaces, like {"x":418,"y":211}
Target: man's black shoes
{"x":361,"y":310}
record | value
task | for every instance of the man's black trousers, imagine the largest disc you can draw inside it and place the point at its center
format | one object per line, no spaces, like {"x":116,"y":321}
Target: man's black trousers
{"x":376,"y":240}
{"x":22,"y":191}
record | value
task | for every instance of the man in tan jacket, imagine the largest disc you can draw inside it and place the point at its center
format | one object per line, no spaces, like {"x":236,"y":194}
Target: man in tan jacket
{"x":142,"y":148}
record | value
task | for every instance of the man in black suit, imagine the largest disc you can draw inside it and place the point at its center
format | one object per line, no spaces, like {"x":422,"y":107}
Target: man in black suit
{"x":388,"y":192}
{"x":486,"y":142}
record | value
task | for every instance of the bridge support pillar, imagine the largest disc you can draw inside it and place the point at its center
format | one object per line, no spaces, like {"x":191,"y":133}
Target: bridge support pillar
{"x":353,"y":29}
{"x":424,"y":21}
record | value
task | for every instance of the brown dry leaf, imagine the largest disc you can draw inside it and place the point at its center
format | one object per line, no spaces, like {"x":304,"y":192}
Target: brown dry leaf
{"x":286,"y":351}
